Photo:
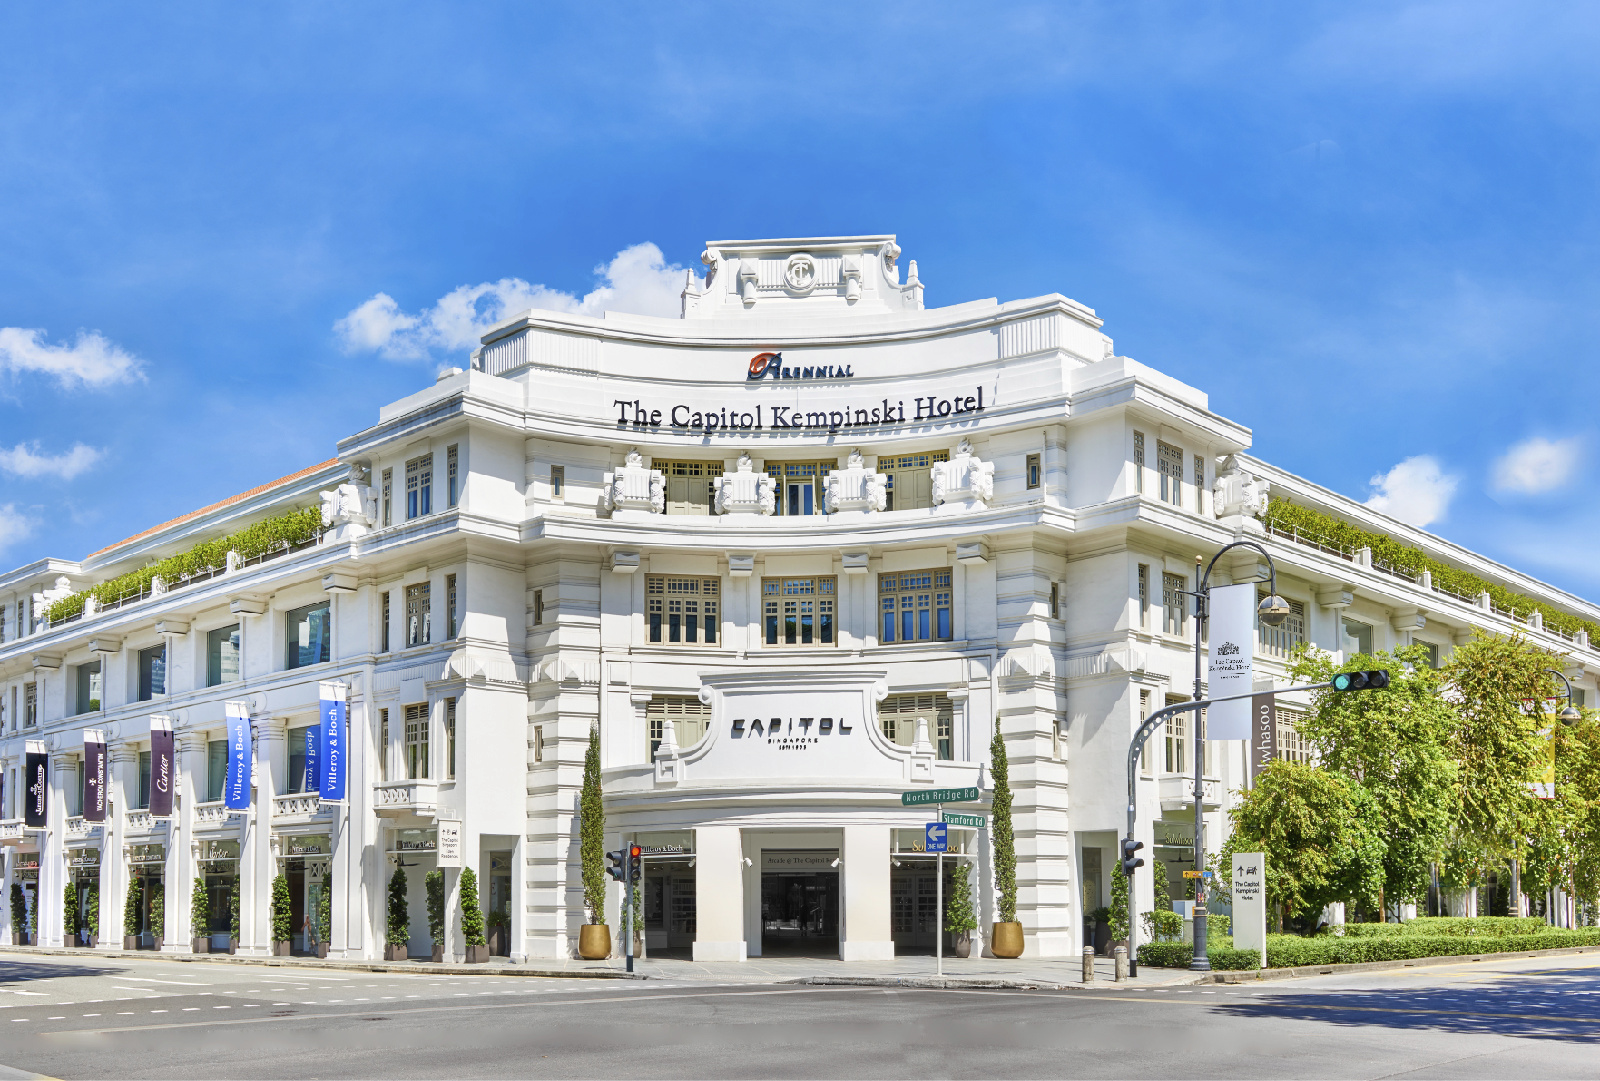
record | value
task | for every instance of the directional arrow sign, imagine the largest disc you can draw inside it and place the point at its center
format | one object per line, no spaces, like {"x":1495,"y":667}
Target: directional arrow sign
{"x":936,"y":837}
{"x":938,"y":795}
{"x":974,"y":821}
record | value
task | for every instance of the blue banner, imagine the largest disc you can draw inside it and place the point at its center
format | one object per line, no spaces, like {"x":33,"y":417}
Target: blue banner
{"x":334,"y":749}
{"x":236,"y":789}
{"x":312,"y":781}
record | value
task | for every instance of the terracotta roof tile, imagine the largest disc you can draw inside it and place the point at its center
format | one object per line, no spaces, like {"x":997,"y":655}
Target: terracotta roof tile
{"x":226,"y":502}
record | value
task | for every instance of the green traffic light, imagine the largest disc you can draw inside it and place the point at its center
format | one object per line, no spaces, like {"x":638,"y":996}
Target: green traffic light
{"x":1361,"y":681}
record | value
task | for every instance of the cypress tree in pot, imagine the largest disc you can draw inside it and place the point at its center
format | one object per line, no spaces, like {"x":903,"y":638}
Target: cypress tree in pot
{"x":282,"y":919}
{"x":398,"y":933}
{"x":594,"y":937}
{"x":434,"y":884}
{"x":200,"y":914}
{"x":130,"y":915}
{"x":69,"y":914}
{"x":1005,"y":936}
{"x":472,"y":918}
{"x":91,"y":916}
{"x":19,"y":914}
{"x":158,"y":915}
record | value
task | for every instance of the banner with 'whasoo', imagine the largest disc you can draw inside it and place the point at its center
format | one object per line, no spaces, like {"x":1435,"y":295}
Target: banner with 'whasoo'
{"x":94,"y":775}
{"x":236,"y":788}
{"x":36,"y":786}
{"x":161,"y":766}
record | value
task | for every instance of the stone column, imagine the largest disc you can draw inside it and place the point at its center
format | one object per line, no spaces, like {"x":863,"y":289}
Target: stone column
{"x":53,"y":858}
{"x":114,"y":870}
{"x":258,"y":866}
{"x":719,"y":894}
{"x":866,"y":935}
{"x":191,"y":789}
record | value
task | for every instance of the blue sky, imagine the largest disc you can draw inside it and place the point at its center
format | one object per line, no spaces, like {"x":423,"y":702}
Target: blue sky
{"x":1368,"y":231}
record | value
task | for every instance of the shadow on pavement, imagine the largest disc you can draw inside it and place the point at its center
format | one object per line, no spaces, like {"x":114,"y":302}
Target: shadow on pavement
{"x":1547,"y":1005}
{"x":17,"y":971}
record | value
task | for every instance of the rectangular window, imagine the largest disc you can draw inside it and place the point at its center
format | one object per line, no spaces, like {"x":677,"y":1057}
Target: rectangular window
{"x":1033,"y":471}
{"x":1433,"y":662}
{"x":1177,"y":746}
{"x":152,"y":672}
{"x":1357,"y":637}
{"x":222,"y":655}
{"x":898,"y":716}
{"x":1199,"y":484}
{"x":798,"y":611}
{"x":1169,"y":463}
{"x":538,"y":743}
{"x":383,"y":746}
{"x":30,"y":705}
{"x":216,"y":768}
{"x":450,"y":739}
{"x":297,"y":780}
{"x":419,"y":486}
{"x":383,"y":626}
{"x":1146,"y":762}
{"x":538,"y":607}
{"x":1292,"y":746}
{"x":89,"y":687}
{"x":1280,"y":641}
{"x":558,"y":482}
{"x":419,"y":621}
{"x":71,"y":786}
{"x":682,"y":609}
{"x":690,"y":486}
{"x":1138,"y":461}
{"x":452,"y":473}
{"x":1144,"y":596}
{"x":1055,"y":600}
{"x":686,"y":713}
{"x":910,"y":478}
{"x":417,"y":742}
{"x":310,"y":634}
{"x":799,"y":486}
{"x":1175,"y":603}
{"x":388,"y":497}
{"x":144,"y":781}
{"x":449,"y":606}
{"x":914,"y":606}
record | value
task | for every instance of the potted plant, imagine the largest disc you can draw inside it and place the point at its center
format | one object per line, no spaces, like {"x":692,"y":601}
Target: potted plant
{"x":1005,"y":936}
{"x":435,"y":886}
{"x":282,"y":920}
{"x":594,"y":937}
{"x":960,"y":920}
{"x":1102,"y":930}
{"x":69,"y":915}
{"x":200,"y":914}
{"x":91,"y":917}
{"x":158,"y":917}
{"x":233,"y":915}
{"x":398,"y":933}
{"x":499,"y":933}
{"x":1119,"y":909}
{"x":130,"y":915}
{"x":472,"y":918}
{"x":325,"y":919}
{"x":19,"y":915}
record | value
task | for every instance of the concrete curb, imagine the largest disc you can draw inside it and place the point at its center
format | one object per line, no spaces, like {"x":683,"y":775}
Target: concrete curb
{"x":1304,"y":971}
{"x":410,"y":967}
{"x":974,"y":983}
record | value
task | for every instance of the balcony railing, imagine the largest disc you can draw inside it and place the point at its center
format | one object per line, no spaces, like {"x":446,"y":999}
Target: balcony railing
{"x":298,"y":804}
{"x":11,"y":832}
{"x":396,"y":798}
{"x":213,"y":813}
{"x":144,"y":822}
{"x":79,"y":826}
{"x":1177,"y":792}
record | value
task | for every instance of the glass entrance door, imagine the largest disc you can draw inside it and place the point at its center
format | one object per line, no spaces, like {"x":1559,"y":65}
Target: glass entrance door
{"x":800,"y":913}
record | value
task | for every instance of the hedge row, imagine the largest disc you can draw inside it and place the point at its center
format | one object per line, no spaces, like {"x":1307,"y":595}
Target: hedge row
{"x":1450,"y":925}
{"x":1285,"y":515}
{"x":268,"y":535}
{"x":1292,"y":951}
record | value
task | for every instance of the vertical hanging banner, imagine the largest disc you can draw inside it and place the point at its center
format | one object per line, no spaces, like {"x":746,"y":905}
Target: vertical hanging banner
{"x":161,"y":766}
{"x":312,"y":781}
{"x":1545,"y":786}
{"x":36,"y":784}
{"x":335,"y":750}
{"x":1231,"y":619}
{"x":236,"y":788}
{"x":1263,"y":732}
{"x":94,"y":775}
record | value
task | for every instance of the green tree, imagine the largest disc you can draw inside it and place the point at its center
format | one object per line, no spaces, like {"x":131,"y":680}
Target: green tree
{"x":471,"y":910}
{"x":1395,"y":743}
{"x":91,"y":912}
{"x":325,"y":913}
{"x":1319,"y":832}
{"x":1001,"y":832}
{"x":130,"y":908}
{"x":434,"y":884}
{"x":398,"y":932}
{"x":200,"y":906}
{"x":282,"y":917}
{"x":592,"y":833}
{"x":69,"y":910}
{"x":960,"y":917}
{"x":233,"y":909}
{"x":158,"y":912}
{"x":1119,"y":905}
{"x":19,"y":910}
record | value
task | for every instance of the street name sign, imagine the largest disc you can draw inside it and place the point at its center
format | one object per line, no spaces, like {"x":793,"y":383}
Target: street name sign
{"x":938,"y":795}
{"x":937,"y":837}
{"x":976,"y":822}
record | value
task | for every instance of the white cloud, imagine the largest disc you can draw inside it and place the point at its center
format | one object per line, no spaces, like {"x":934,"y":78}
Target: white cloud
{"x":24,"y":461}
{"x":638,"y":280}
{"x":91,"y":360}
{"x":1416,"y":491}
{"x":1537,"y":465}
{"x":14,"y":525}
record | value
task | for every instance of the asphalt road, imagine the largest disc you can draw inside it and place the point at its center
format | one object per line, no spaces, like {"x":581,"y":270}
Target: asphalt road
{"x":71,"y":1017}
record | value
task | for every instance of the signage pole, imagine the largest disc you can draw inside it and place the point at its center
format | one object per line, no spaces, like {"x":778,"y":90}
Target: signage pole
{"x":938,"y":904}
{"x":627,"y":907}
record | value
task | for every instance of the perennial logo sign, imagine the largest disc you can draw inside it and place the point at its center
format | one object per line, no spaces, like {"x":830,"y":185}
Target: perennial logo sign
{"x":770,"y":366}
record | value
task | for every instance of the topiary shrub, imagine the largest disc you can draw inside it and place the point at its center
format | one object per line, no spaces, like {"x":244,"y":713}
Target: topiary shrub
{"x":91,"y":913}
{"x":398,"y":932}
{"x":960,"y":917}
{"x":1119,"y":905}
{"x":1001,"y":833}
{"x":19,"y":910}
{"x":200,"y":907}
{"x":471,"y":914}
{"x":69,"y":911}
{"x":592,"y":833}
{"x":130,"y":907}
{"x":434,"y":884}
{"x":282,"y":919}
{"x":233,"y":910}
{"x":158,"y":914}
{"x":325,"y":912}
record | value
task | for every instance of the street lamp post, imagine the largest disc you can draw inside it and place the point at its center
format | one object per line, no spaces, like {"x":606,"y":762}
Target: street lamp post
{"x":1272,"y":612}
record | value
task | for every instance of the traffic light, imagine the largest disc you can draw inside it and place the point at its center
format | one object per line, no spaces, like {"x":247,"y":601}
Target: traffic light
{"x":1130,"y":861}
{"x":635,"y":863}
{"x":1361,"y":681}
{"x":616,"y":863}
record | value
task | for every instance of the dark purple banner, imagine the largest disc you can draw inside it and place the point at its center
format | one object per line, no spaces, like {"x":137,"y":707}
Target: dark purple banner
{"x":161,"y":767}
{"x":94,"y":777}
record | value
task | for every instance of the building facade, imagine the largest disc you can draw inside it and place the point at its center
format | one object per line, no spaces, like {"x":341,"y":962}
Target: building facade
{"x":792,"y":555}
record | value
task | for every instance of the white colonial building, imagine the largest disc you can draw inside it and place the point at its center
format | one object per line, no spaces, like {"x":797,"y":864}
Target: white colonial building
{"x":794,"y":554}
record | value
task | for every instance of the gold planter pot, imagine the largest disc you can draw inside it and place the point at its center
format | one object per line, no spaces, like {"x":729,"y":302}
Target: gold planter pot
{"x":594,"y":942}
{"x":1005,"y":939}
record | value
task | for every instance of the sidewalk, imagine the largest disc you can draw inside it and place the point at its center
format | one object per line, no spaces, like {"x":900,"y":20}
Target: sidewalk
{"x":973,"y":972}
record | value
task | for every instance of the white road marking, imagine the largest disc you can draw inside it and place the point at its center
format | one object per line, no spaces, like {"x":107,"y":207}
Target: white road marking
{"x":176,"y":983}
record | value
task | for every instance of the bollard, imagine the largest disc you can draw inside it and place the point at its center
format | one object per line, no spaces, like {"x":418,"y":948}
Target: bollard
{"x":1121,"y":955}
{"x":1088,"y":964}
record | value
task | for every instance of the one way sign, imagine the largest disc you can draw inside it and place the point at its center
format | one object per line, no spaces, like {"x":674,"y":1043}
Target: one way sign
{"x":936,"y":837}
